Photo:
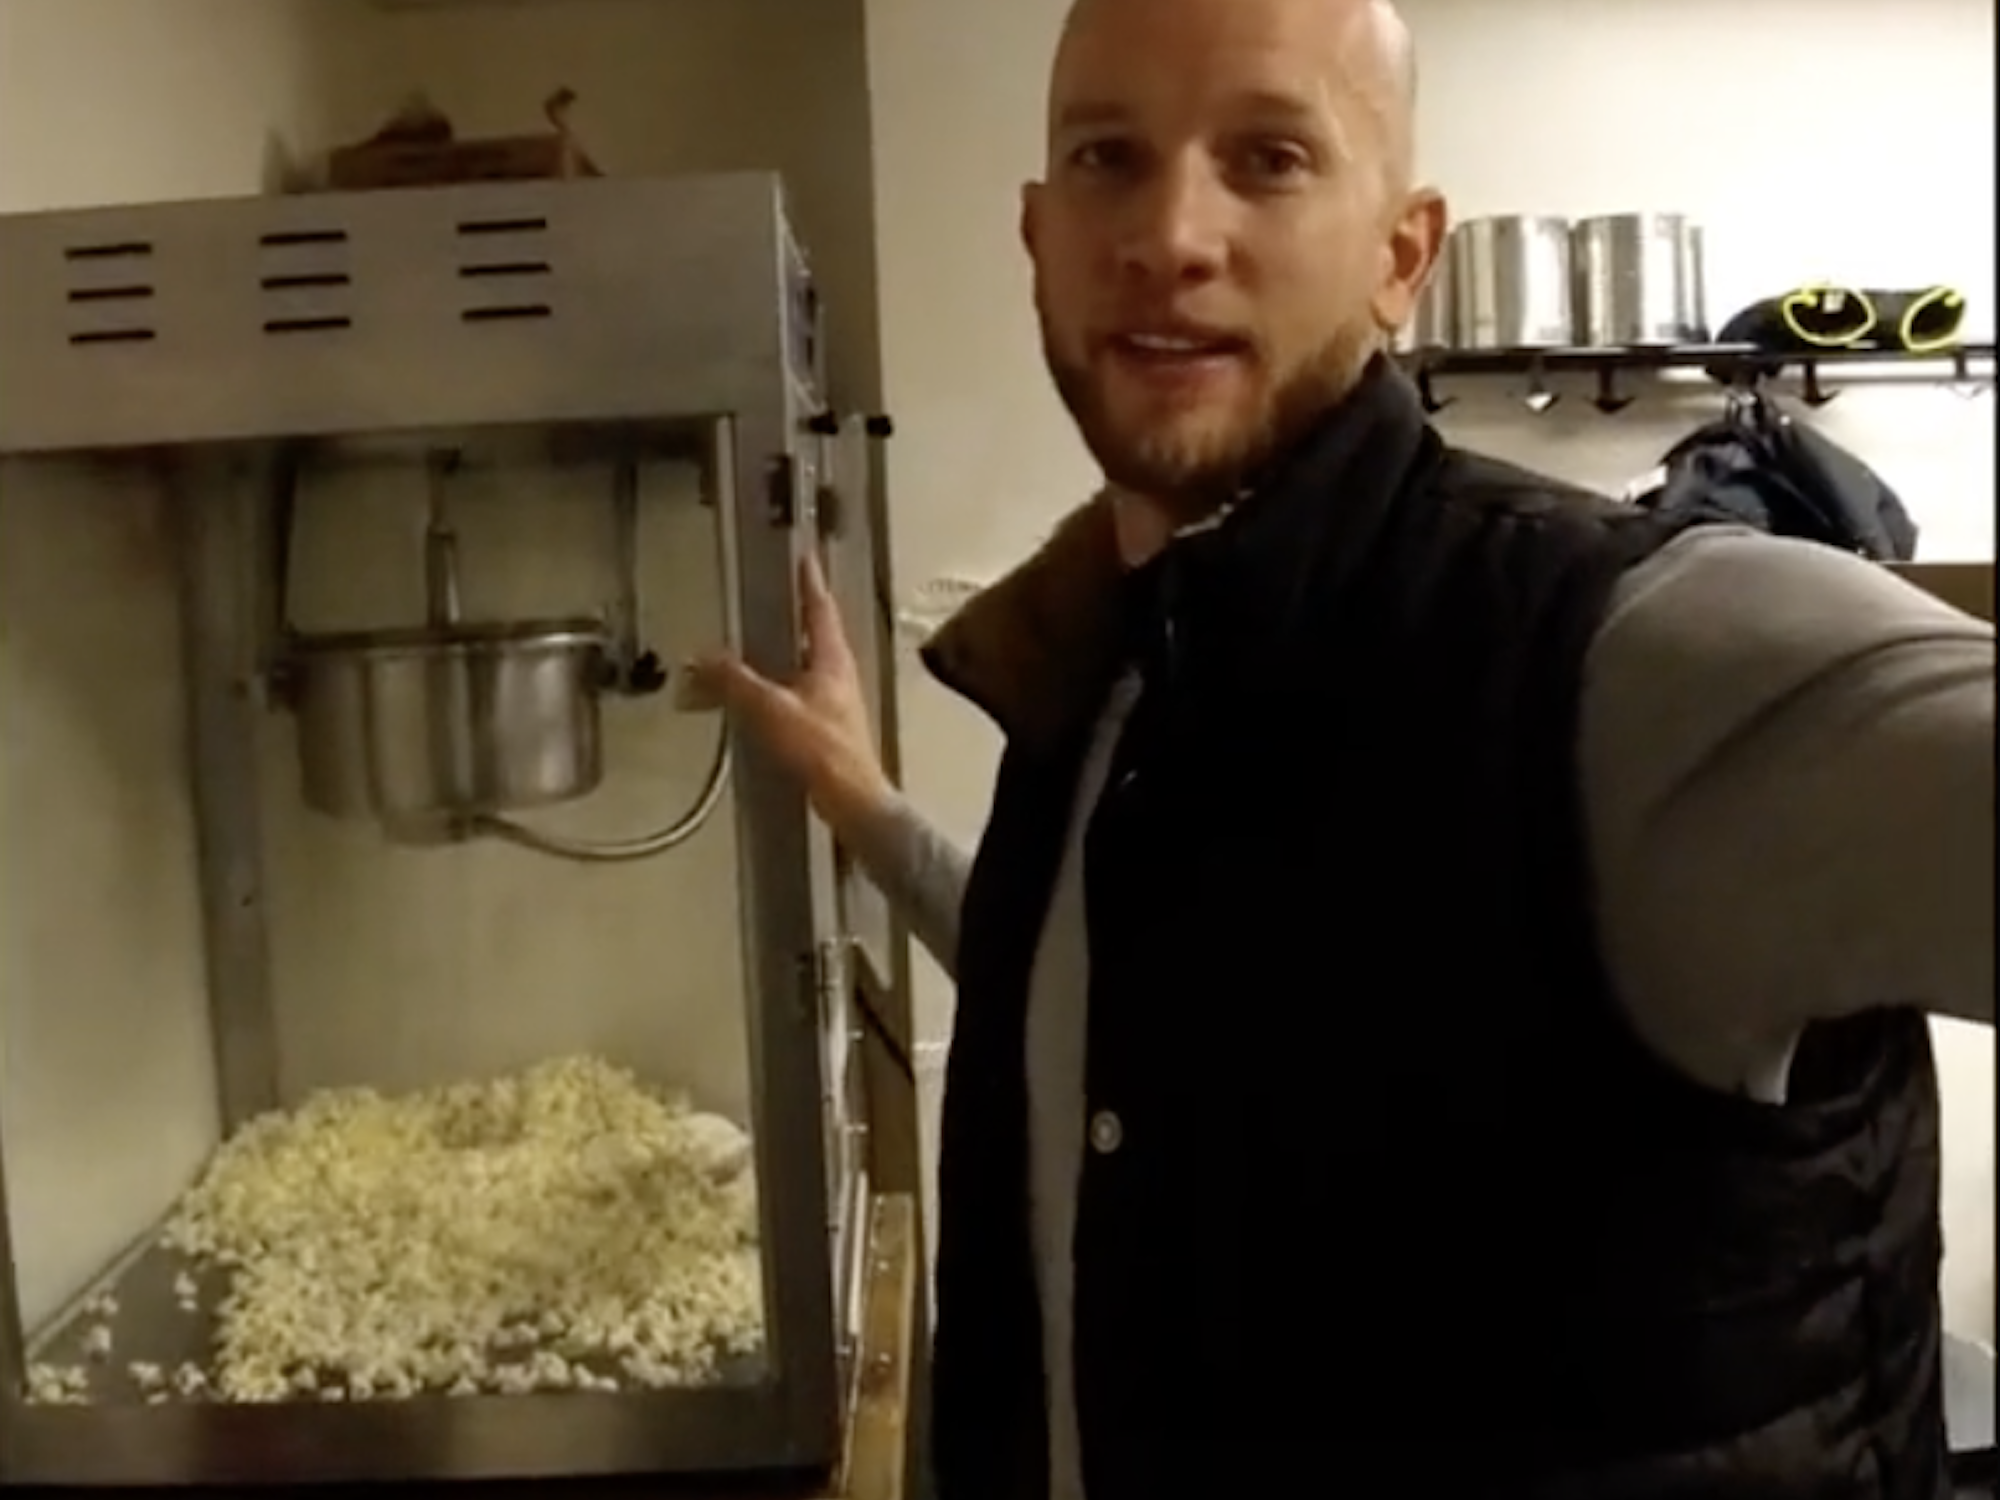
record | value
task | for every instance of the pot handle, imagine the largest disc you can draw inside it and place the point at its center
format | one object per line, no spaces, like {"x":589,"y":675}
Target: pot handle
{"x":623,"y":851}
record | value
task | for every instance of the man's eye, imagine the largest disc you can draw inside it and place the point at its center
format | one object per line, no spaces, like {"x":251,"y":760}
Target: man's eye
{"x":1273,"y":163}
{"x":1104,"y":156}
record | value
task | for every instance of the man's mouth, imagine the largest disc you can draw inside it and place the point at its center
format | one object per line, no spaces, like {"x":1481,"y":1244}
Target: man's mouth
{"x":1178,"y":348}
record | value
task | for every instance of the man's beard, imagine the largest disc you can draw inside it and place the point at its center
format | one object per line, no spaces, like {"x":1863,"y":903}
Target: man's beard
{"x":1194,"y":476}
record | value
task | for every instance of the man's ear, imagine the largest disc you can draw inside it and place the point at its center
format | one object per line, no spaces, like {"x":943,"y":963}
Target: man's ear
{"x":1031,"y":216}
{"x":1410,"y":258}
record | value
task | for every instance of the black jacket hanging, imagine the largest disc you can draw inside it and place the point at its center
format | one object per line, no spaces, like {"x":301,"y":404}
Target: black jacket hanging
{"x":1759,"y":467}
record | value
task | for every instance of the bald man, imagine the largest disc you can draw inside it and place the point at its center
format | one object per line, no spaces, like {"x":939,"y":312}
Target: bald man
{"x":1442,"y":989}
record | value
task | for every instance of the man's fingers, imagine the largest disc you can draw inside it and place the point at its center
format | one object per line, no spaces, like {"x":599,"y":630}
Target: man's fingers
{"x":733,"y":685}
{"x":826,"y":636}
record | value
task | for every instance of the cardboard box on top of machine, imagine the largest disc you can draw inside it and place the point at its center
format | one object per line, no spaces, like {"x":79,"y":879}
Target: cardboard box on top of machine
{"x":1967,"y":585}
{"x":419,"y":148}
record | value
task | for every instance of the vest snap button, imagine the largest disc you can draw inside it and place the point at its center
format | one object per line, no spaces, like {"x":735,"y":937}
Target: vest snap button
{"x":1107,"y":1132}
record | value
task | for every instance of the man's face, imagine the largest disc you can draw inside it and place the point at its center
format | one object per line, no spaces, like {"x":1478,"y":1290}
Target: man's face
{"x":1221,"y":239}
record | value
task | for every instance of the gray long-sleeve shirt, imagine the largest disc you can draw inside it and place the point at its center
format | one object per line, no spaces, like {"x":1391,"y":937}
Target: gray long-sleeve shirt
{"x":1787,"y":757}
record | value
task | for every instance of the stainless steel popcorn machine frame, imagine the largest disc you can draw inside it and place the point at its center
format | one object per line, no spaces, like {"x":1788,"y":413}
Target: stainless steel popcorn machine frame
{"x":226,"y":348}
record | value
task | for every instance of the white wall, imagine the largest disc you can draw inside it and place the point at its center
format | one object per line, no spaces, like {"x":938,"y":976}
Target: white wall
{"x":1838,"y":138}
{"x":391,"y":967}
{"x":106,"y":1079}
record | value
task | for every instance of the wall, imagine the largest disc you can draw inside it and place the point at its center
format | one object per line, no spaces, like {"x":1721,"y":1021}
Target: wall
{"x":106,"y":1080}
{"x":1818,"y":137}
{"x":392,"y":967}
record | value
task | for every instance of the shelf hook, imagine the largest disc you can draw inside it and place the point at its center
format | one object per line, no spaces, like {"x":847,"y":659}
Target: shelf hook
{"x":1963,"y":383}
{"x":1539,"y":398}
{"x":1608,"y":399}
{"x":1433,"y":402}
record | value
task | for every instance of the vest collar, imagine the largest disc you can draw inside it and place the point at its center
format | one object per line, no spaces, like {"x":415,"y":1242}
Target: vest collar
{"x":1038,"y":650}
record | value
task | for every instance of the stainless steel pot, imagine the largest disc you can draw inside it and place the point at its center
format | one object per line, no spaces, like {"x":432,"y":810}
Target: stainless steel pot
{"x":1639,"y":280}
{"x":1511,"y":283}
{"x":436,"y":732}
{"x":448,"y":722}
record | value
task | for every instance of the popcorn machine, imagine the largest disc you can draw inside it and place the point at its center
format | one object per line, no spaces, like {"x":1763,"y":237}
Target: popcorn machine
{"x":431,"y":1234}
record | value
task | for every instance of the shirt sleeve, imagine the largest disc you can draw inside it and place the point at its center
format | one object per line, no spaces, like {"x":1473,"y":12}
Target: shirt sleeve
{"x":920,"y":870}
{"x":1788,"y":764}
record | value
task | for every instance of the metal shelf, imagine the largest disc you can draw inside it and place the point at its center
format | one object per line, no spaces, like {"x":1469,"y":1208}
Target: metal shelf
{"x":1963,"y":364}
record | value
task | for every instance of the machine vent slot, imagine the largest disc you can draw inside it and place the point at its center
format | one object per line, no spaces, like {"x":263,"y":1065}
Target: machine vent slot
{"x":286,"y":238}
{"x":306,"y":283}
{"x":507,"y":314}
{"x":306,"y":325}
{"x":120,"y":250}
{"x":502,"y":226}
{"x":505,"y":268}
{"x":115,"y":336}
{"x":303,"y":282}
{"x":110,"y":294}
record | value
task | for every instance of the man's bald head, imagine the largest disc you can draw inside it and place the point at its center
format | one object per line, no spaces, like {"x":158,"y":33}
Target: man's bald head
{"x":1379,"y":65}
{"x":1399,"y":60}
{"x":1228,"y":228}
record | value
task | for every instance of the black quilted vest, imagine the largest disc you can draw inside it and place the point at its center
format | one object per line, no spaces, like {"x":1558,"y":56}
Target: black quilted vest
{"x":1400,"y":1207}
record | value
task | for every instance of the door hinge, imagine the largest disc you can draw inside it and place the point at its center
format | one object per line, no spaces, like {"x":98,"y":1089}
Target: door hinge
{"x":781,"y":491}
{"x":832,"y":973}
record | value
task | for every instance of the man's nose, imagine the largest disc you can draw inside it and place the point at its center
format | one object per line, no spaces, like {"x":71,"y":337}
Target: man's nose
{"x":1179,"y":229}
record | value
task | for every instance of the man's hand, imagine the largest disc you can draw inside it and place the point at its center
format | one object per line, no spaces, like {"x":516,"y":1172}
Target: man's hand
{"x":817,"y":728}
